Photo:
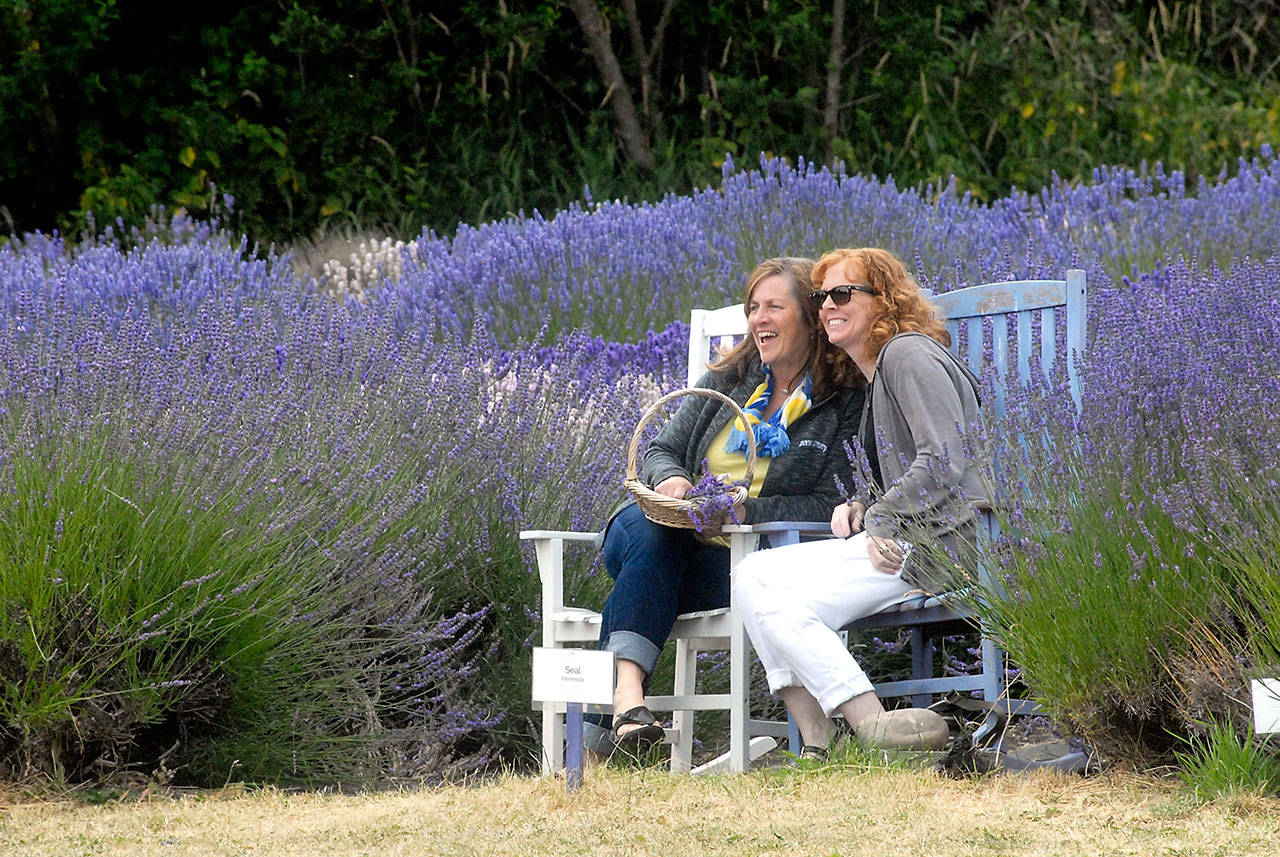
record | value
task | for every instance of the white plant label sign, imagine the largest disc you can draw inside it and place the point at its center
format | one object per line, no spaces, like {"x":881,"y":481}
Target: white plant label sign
{"x":1266,"y":705}
{"x":572,"y":675}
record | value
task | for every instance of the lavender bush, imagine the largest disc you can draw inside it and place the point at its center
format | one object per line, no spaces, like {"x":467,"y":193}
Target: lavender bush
{"x":1137,"y":560}
{"x":247,"y":524}
{"x":254,"y":527}
{"x":615,"y":269}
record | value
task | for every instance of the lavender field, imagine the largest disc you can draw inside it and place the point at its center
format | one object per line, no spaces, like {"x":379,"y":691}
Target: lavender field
{"x":261,"y":524}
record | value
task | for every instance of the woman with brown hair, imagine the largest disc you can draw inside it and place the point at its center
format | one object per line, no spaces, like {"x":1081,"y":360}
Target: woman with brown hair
{"x":802,"y":397}
{"x":922,"y":484}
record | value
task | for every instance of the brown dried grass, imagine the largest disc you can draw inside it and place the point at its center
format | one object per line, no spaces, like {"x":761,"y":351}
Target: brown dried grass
{"x":833,"y":811}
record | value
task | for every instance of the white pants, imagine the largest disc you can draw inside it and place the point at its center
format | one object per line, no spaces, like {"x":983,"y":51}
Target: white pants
{"x":793,"y":598}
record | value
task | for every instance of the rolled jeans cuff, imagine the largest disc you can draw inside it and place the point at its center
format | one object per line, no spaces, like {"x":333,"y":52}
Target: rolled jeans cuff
{"x":634,"y":647}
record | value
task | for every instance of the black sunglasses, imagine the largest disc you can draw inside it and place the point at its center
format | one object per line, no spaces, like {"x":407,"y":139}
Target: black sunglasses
{"x":839,"y":294}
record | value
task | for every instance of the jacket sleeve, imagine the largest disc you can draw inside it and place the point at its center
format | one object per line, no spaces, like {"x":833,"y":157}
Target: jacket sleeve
{"x":671,"y":451}
{"x":924,"y":393}
{"x":814,"y":500}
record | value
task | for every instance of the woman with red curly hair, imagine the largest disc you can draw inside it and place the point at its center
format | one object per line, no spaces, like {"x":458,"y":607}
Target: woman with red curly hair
{"x":920,"y":489}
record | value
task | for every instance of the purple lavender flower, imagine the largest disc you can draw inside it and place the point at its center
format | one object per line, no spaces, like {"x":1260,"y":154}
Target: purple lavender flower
{"x":712,"y":500}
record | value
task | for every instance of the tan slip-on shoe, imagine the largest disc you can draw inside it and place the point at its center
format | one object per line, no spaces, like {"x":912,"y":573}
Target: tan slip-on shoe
{"x":904,"y":729}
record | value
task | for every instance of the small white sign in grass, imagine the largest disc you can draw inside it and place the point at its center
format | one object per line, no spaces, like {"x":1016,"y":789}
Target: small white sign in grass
{"x":1266,"y":705}
{"x":574,"y":677}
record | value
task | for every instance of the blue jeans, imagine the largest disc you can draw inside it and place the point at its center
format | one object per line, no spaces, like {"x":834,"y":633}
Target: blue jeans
{"x":659,"y":572}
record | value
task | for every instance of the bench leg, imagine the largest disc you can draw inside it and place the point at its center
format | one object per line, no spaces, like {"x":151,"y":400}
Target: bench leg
{"x":553,"y":738}
{"x":921,"y":663}
{"x":993,"y":687}
{"x":739,"y":693}
{"x":740,"y":744}
{"x":682,"y":719}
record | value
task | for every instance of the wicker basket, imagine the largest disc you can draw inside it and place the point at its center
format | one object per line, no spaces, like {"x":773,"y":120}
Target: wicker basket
{"x":669,"y":511}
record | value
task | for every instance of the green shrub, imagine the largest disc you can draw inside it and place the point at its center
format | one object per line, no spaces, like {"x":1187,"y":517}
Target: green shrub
{"x":1099,"y":595}
{"x":128,"y":602}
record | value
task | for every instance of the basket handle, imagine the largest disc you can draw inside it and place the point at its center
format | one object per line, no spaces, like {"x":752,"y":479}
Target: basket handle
{"x":652,"y":411}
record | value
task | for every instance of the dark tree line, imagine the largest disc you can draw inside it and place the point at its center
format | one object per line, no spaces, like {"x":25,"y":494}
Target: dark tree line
{"x":397,"y":114}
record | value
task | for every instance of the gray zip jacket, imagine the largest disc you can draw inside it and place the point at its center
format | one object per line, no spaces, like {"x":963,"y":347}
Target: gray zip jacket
{"x":923,"y":399}
{"x":800,"y":484}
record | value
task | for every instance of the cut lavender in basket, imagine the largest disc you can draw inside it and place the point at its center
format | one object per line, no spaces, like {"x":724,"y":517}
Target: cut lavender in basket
{"x":711,"y":498}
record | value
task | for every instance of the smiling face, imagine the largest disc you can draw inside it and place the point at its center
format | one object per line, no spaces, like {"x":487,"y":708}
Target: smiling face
{"x":777,"y":323}
{"x":847,"y":326}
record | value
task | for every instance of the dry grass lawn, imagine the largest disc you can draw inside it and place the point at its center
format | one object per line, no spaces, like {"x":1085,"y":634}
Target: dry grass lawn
{"x":832,"y":811}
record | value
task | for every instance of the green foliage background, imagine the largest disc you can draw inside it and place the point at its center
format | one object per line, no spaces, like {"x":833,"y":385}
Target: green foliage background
{"x":353,"y":113}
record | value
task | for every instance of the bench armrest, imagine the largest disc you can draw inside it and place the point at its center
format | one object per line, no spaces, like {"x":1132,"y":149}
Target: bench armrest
{"x":566,"y":535}
{"x":781,"y":532}
{"x":548,"y":545}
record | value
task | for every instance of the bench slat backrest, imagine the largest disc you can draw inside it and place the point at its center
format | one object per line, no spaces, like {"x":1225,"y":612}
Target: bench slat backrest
{"x":1012,"y":327}
{"x":1042,"y":322}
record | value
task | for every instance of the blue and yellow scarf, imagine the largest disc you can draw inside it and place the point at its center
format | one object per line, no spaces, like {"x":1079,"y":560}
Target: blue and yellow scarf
{"x":771,"y":434}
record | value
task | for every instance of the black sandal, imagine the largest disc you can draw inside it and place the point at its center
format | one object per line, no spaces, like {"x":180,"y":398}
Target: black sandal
{"x":646,"y":733}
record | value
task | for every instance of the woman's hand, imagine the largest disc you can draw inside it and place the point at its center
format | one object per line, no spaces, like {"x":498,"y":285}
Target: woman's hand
{"x":885,"y":554}
{"x":846,"y":519}
{"x":736,"y":515}
{"x":675,"y":487}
